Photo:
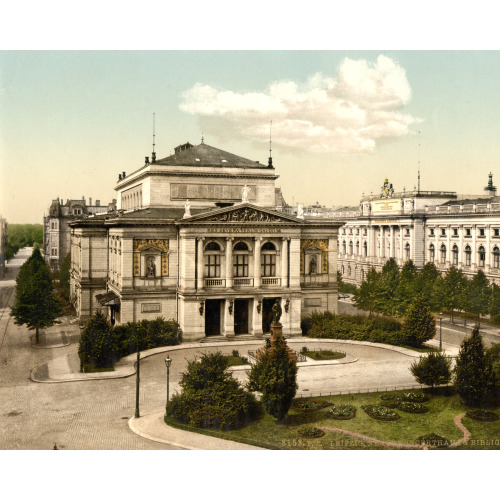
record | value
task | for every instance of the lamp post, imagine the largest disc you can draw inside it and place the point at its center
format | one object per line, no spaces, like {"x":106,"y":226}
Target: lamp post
{"x":168,"y":362}
{"x":440,"y":342}
{"x":137,"y":378}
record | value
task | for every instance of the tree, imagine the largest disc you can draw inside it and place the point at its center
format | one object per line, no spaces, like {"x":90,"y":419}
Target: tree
{"x":432,"y":370}
{"x":275,"y":375}
{"x":387,"y":286}
{"x":428,"y":283}
{"x":406,"y":288}
{"x":36,"y":306}
{"x":419,"y":324}
{"x":475,"y":379}
{"x":64,"y":275}
{"x":97,"y":345}
{"x":365,"y":296}
{"x":494,"y":306}
{"x":478,"y":295}
{"x":451,"y":289}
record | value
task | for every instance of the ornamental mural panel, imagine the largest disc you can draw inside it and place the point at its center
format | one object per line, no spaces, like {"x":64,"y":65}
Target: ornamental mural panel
{"x":244,"y":215}
{"x":320,"y":245}
{"x":141,"y":245}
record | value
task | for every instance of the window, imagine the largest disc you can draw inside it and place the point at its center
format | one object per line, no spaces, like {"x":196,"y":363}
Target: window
{"x":482,"y":256}
{"x":432,"y":232}
{"x":268,"y":259}
{"x":357,"y":231}
{"x":350,"y":248}
{"x":454,"y":252}
{"x":407,"y":231}
{"x":467,"y":231}
{"x":344,"y":247}
{"x":443,"y":254}
{"x":468,"y":254}
{"x":348,"y":270}
{"x":496,"y":258}
{"x":432,"y":254}
{"x":407,"y":251}
{"x":365,"y":249}
{"x":212,"y":260}
{"x":481,"y":231}
{"x":53,"y":252}
{"x":365,"y":232}
{"x":240,"y":260}
{"x":443,"y":231}
{"x":496,"y":232}
{"x":357,"y":248}
{"x":455,"y":231}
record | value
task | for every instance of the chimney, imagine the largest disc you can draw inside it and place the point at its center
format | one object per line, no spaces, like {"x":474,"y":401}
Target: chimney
{"x":147,"y":160}
{"x":123,"y":176}
{"x":153,"y":157}
{"x":97,"y":203}
{"x":119,"y":177}
{"x":90,"y":202}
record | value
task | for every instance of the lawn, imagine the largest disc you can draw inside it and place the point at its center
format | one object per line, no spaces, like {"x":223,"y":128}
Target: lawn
{"x":265,"y":432}
{"x":323,"y":355}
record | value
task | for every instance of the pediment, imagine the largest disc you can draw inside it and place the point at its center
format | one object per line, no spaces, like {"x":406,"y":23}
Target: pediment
{"x":243,"y":212}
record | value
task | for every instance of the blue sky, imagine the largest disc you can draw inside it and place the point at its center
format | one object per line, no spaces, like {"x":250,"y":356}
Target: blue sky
{"x":71,"y":120}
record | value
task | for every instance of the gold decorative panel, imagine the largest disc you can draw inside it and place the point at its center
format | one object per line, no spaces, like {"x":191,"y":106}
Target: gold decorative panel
{"x":320,"y":245}
{"x":141,"y":245}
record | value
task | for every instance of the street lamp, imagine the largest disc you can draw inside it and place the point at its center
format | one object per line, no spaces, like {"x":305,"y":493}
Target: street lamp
{"x":440,"y":321}
{"x":168,"y":362}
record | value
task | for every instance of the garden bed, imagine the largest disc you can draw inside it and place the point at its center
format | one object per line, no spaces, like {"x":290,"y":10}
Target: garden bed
{"x":381,"y":413}
{"x":307,"y":405}
{"x":341,"y":412}
{"x":323,"y":355}
{"x":310,"y":432}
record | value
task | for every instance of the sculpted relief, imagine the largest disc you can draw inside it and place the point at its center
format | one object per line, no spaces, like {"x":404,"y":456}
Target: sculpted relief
{"x":244,"y":215}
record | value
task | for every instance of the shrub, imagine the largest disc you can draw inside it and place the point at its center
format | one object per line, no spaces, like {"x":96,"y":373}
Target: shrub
{"x":380,"y":413}
{"x":407,"y":406}
{"x":419,"y":324}
{"x":97,"y":346}
{"x":210,"y":397}
{"x":303,"y":350}
{"x":432,"y":370}
{"x":416,"y":397}
{"x":235,"y":353}
{"x":341,"y":412}
{"x":310,"y":432}
{"x":309,"y":405}
{"x":482,"y":415}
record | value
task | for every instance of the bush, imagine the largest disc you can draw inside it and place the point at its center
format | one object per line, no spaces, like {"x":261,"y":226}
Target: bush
{"x":407,"y":406}
{"x":97,"y":346}
{"x":380,"y":413}
{"x":482,"y":415}
{"x":310,"y":432}
{"x":432,"y":370}
{"x":309,"y":405}
{"x":341,"y":412}
{"x":210,"y":397}
{"x":415,"y":397}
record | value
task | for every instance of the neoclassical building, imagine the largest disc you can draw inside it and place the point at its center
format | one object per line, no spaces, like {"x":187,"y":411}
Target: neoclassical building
{"x":197,"y":237}
{"x":424,"y":226}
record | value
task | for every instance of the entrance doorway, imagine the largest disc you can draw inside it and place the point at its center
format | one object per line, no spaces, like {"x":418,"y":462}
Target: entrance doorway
{"x":213,"y":316}
{"x":267,"y":313}
{"x":241,"y":316}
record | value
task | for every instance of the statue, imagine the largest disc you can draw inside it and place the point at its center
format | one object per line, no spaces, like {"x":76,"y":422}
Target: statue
{"x":244,"y":194}
{"x":187,"y":210}
{"x":300,"y":211}
{"x":312,"y":265}
{"x":276,"y":313}
{"x":151,"y":268}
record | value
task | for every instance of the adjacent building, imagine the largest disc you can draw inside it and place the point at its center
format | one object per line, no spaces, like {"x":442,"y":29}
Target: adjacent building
{"x":197,"y":237}
{"x":425,"y":226}
{"x":56,"y":230}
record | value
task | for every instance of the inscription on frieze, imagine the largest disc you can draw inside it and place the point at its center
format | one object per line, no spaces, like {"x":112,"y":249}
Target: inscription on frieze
{"x":216,"y":192}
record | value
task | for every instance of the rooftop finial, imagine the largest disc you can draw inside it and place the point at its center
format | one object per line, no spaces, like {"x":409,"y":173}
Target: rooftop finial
{"x":202,"y":139}
{"x":270,"y":163}
{"x":153,"y":155}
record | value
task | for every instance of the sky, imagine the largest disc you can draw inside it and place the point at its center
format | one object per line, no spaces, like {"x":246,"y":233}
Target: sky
{"x":342,"y":121}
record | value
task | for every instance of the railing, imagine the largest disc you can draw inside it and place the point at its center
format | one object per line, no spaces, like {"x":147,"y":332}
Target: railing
{"x":359,"y":391}
{"x":271,"y":281}
{"x":215,"y":282}
{"x":242,"y":281}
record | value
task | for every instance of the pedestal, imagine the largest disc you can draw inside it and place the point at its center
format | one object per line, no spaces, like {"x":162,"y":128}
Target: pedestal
{"x":277,"y":332}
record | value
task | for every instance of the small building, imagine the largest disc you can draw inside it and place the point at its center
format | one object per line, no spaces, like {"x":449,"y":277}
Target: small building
{"x":197,"y":237}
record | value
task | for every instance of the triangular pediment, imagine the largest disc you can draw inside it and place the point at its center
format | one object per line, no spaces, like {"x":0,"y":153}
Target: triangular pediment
{"x":243,"y":213}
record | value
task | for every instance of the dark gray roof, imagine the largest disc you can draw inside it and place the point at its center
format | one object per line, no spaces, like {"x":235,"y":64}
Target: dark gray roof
{"x":207,"y":156}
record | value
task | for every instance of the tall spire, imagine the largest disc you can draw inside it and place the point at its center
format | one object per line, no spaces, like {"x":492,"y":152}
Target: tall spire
{"x":270,"y":163}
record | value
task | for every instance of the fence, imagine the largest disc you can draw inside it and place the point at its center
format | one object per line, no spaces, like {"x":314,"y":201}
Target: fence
{"x":357,"y":391}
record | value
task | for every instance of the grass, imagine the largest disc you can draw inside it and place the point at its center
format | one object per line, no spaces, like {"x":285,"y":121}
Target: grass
{"x":94,"y":369}
{"x":424,"y":348}
{"x":236,"y":360}
{"x":266,"y":433}
{"x":323,"y":355}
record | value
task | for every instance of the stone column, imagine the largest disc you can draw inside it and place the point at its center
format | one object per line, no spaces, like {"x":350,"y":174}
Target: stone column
{"x":401,"y":249}
{"x":284,"y":262}
{"x":391,"y":241}
{"x":229,"y":262}
{"x":256,"y":269}
{"x":461,"y":260}
{"x":475,"y":256}
{"x":200,"y":264}
{"x":487,"y":264}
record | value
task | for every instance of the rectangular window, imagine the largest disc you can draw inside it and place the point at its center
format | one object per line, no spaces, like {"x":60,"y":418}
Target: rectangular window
{"x":53,"y":252}
{"x":455,"y":231}
{"x":467,"y":258}
{"x":240,"y":266}
{"x":496,"y":232}
{"x":496,"y":260}
{"x":443,"y":232}
{"x":467,"y":231}
{"x":212,"y":266}
{"x":432,"y":232}
{"x":268,"y":265}
{"x":481,"y":231}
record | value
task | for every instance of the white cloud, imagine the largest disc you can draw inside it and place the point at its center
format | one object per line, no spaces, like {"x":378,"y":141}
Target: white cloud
{"x":346,"y":114}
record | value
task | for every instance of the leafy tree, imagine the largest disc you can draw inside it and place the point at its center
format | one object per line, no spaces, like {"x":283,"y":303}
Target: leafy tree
{"x":419,"y":324}
{"x":387,"y":286}
{"x":97,"y":346}
{"x":451,"y":289}
{"x":36,"y":306}
{"x":406,"y":288}
{"x":64,"y":275}
{"x":365,"y":296}
{"x":23,"y":235}
{"x":428,"y":283}
{"x":494,"y":305}
{"x":478,"y":295}
{"x":432,"y":370}
{"x":475,"y":379}
{"x":210,"y":396}
{"x":275,"y":375}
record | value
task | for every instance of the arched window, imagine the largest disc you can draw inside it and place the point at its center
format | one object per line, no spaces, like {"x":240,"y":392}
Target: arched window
{"x":212,"y":260}
{"x":268,"y":259}
{"x":407,"y":251}
{"x":362,"y":275}
{"x":365,"y":249}
{"x":432,"y":253}
{"x":240,"y":260}
{"x":357,"y":247}
{"x":344,"y":248}
{"x":496,"y":258}
{"x":342,"y":270}
{"x":468,"y":254}
{"x":350,"y":248}
{"x":454,"y":253}
{"x":443,"y":254}
{"x":348,"y":270}
{"x":482,"y":256}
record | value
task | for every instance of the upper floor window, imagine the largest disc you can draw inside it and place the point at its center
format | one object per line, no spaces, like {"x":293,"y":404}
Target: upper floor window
{"x":212,"y":260}
{"x":482,"y":256}
{"x":443,"y":231}
{"x":496,"y":258}
{"x":454,"y":252}
{"x":268,"y":259}
{"x":455,"y":231}
{"x":344,"y":247}
{"x":443,"y":254}
{"x":365,"y":232}
{"x":432,"y":232}
{"x":350,"y":248}
{"x":431,"y":253}
{"x":467,"y":231}
{"x":481,"y":231}
{"x":357,"y":248}
{"x":496,"y":232}
{"x":407,"y":231}
{"x":365,"y":249}
{"x":240,"y":260}
{"x":468,"y":254}
{"x":407,"y":251}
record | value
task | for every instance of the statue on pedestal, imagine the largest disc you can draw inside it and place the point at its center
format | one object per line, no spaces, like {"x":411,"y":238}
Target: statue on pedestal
{"x":244,"y":194}
{"x":300,"y":212}
{"x":187,"y":210}
{"x":276,"y":313}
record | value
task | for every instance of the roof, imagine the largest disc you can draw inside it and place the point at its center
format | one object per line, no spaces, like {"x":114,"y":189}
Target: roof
{"x":204,"y":155}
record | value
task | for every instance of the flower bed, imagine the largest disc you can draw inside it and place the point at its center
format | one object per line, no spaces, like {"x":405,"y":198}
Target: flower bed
{"x":380,"y":413}
{"x":482,"y":415}
{"x":309,"y":405}
{"x":411,"y":397}
{"x":341,"y":412}
{"x":406,"y":406}
{"x":433,"y":440}
{"x":310,"y":432}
